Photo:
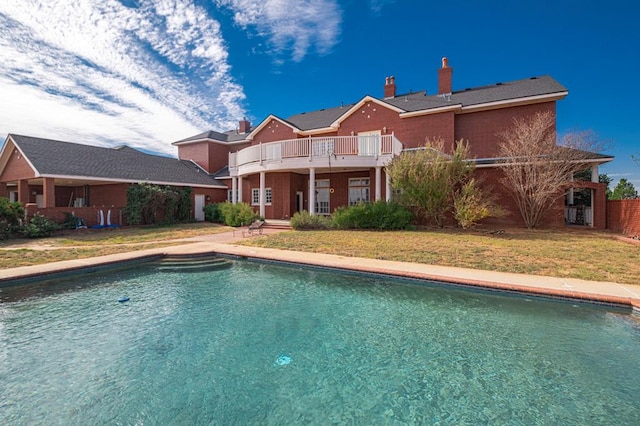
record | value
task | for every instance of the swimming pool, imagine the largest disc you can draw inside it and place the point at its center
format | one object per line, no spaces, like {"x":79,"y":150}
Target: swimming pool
{"x":270,"y":344}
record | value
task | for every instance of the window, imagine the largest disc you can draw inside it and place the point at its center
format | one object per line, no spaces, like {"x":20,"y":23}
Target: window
{"x":255,"y":196}
{"x":369,"y":143}
{"x":322,"y":196}
{"x":359,"y":190}
{"x":230,"y":194}
{"x":323,"y":147}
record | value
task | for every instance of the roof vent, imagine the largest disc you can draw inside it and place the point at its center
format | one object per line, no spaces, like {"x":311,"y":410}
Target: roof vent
{"x":498,"y":84}
{"x":534,"y":78}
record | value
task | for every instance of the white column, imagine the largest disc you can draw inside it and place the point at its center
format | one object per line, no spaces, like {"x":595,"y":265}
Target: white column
{"x":378,"y":183}
{"x":312,"y":191}
{"x":595,"y":176}
{"x":234,"y":190}
{"x":387,"y":179}
{"x":239,"y":189}
{"x":262,"y":194}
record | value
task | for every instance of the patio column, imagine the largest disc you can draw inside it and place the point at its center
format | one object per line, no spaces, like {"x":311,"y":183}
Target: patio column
{"x":595,"y":176}
{"x":387,"y":188}
{"x":48,"y":193}
{"x":23,"y":191}
{"x":234,"y":190}
{"x":378,"y":183}
{"x":312,"y":191}
{"x":262,"y":194}
{"x":3,"y":190}
{"x":239,"y":189}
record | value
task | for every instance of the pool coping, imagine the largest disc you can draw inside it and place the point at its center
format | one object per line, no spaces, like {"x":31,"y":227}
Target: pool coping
{"x":625,"y":295}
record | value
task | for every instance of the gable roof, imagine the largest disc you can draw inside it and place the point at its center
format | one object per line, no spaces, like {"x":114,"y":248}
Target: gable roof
{"x":525,"y":90}
{"x":52,"y":158}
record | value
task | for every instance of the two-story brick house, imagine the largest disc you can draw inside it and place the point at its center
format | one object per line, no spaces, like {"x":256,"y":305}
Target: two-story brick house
{"x":333,"y":157}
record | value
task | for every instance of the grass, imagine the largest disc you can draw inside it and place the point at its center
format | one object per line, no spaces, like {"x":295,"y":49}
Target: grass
{"x":587,"y":255}
{"x":583,"y":254}
{"x":83,"y":244}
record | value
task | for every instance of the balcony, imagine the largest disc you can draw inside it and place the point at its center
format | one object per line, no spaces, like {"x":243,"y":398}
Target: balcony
{"x":303,"y":153}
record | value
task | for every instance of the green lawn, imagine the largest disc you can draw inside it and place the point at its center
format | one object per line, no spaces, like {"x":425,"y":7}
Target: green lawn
{"x":586,"y":255}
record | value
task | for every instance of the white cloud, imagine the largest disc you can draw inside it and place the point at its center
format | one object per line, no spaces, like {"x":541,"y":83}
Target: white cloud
{"x":100,"y":71}
{"x":296,"y":25}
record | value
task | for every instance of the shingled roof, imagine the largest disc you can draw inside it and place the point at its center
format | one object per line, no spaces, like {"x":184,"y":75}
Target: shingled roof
{"x":413,"y":102}
{"x":57,"y":158}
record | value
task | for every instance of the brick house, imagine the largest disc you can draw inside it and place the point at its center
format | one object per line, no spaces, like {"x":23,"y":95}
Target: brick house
{"x":56,"y":177}
{"x":324,"y":159}
{"x":314,"y":161}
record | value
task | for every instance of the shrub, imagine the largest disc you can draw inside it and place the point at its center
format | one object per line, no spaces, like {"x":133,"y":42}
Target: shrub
{"x":10,"y":216}
{"x":149,"y":204}
{"x":379,"y":215}
{"x":212,"y":213}
{"x":39,"y":226}
{"x":471,"y":204}
{"x":305,"y":221}
{"x":239,"y":214}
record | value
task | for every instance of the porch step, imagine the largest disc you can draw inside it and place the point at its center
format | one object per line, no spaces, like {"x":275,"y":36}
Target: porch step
{"x":193,"y":263}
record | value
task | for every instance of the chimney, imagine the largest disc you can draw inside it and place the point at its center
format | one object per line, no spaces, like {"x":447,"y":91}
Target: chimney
{"x":244,"y":126}
{"x":444,"y":78}
{"x":389,"y":87}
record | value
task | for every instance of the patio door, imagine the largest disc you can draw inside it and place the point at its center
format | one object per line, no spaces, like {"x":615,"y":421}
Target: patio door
{"x":322,"y":196}
{"x":199,"y":207}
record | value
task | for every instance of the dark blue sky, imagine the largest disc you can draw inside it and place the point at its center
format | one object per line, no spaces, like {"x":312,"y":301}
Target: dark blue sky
{"x":149,"y":72}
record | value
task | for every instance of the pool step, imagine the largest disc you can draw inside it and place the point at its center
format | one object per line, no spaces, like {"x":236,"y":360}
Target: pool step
{"x":193,"y":264}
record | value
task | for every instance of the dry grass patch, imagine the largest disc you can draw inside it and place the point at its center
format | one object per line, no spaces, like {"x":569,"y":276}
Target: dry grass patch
{"x":584,"y":254}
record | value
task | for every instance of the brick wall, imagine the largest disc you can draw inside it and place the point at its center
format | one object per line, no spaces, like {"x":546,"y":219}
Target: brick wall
{"x":480,"y":129}
{"x":275,"y":130}
{"x":623,"y":216}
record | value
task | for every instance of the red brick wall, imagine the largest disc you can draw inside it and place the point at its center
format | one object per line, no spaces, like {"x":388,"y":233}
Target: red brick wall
{"x":108,"y":195}
{"x":210,"y":156}
{"x":480,"y":129}
{"x":275,"y":130}
{"x":17,"y":168}
{"x":624,"y":216}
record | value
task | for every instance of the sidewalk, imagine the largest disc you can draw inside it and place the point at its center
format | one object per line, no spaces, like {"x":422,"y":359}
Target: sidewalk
{"x":601,"y":292}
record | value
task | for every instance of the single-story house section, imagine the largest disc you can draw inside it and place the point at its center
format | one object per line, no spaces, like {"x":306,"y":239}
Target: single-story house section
{"x":56,"y":177}
{"x":320,"y":160}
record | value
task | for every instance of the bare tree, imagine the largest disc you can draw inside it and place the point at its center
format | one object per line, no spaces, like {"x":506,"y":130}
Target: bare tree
{"x":536,"y":168}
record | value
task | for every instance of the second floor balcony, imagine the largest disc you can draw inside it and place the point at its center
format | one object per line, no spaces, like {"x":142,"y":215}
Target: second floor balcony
{"x":345,"y":151}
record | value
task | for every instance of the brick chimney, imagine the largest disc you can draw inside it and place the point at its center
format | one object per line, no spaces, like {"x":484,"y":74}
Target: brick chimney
{"x":389,"y":87}
{"x":444,"y":78}
{"x":244,"y":126}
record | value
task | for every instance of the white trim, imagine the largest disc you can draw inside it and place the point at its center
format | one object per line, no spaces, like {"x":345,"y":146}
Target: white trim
{"x":116,"y":180}
{"x":10,"y":153}
{"x":265,"y":196}
{"x":514,"y":102}
{"x":455,"y":107}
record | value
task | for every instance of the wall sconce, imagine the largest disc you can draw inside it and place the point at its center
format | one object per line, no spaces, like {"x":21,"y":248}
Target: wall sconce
{"x":34,"y":192}
{"x":384,"y":129}
{"x":208,"y":198}
{"x":352,"y":133}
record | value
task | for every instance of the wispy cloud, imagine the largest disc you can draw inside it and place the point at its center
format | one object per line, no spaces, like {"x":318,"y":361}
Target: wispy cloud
{"x":376,"y":6}
{"x":295,"y":26}
{"x":102,"y":71}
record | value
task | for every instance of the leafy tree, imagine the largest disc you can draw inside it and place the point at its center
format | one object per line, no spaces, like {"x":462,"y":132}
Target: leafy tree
{"x":536,"y":168}
{"x":427,"y":179}
{"x":624,"y":190}
{"x":150,"y":204}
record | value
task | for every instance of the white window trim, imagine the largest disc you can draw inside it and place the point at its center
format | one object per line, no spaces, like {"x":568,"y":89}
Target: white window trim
{"x":267,"y":194}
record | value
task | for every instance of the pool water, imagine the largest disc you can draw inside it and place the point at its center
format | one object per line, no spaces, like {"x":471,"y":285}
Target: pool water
{"x":271,"y":344}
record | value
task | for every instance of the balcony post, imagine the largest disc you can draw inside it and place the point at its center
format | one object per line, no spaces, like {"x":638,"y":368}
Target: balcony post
{"x":387,"y":179}
{"x":262,"y":194}
{"x":378,"y":183}
{"x":310,"y":155}
{"x":312,"y":191}
{"x":240,"y":189}
{"x":234,"y":190}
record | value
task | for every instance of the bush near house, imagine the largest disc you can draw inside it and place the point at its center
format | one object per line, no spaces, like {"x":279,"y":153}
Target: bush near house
{"x":379,"y":215}
{"x":239,"y":214}
{"x":149,"y":204}
{"x":10,"y":216}
{"x":212,"y":213}
{"x":305,"y":221}
{"x":39,"y":226}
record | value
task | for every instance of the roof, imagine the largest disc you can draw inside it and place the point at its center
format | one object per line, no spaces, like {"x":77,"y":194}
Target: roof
{"x":57,"y":158}
{"x":412,"y":103}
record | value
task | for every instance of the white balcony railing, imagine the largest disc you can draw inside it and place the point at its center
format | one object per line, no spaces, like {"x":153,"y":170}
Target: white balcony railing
{"x":358,"y":146}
